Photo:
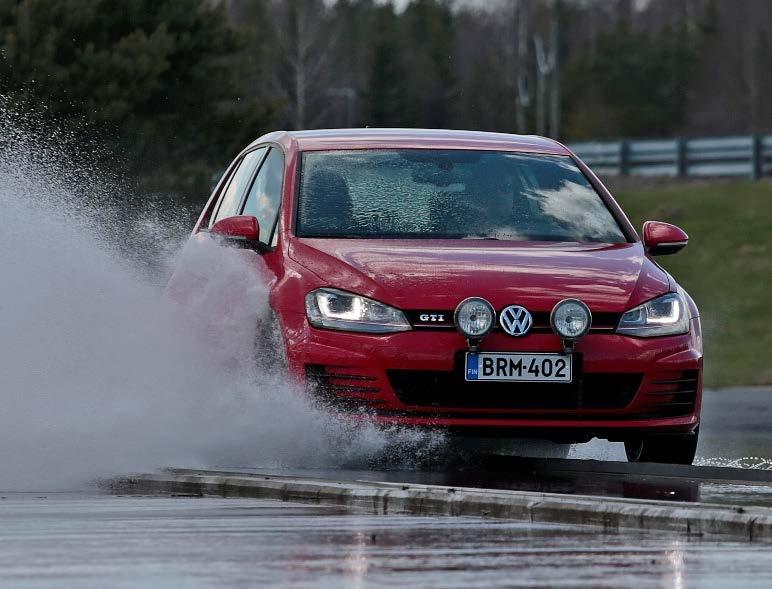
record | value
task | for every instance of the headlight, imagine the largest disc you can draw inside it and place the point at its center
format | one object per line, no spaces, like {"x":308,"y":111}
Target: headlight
{"x":474,"y":317}
{"x":571,"y":319}
{"x":665,"y":315}
{"x":336,"y":309}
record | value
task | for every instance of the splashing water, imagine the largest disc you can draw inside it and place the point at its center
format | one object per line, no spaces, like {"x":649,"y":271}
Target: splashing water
{"x":756,"y":462}
{"x":101,"y":374}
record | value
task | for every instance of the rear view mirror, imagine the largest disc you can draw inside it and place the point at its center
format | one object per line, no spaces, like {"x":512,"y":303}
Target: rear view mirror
{"x":243,"y":228}
{"x":661,"y":239}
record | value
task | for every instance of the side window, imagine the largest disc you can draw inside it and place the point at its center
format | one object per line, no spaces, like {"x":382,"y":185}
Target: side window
{"x":265,"y":196}
{"x":239,"y":180}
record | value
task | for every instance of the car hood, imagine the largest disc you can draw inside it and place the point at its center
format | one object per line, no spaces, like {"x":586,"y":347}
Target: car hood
{"x":438,"y":274}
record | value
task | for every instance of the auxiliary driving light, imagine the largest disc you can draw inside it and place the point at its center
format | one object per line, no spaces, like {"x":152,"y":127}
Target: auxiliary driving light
{"x":474,"y":317}
{"x":571,"y":319}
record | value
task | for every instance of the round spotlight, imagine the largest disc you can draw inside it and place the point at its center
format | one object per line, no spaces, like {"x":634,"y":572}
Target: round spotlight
{"x":571,"y":319}
{"x":474,"y":317}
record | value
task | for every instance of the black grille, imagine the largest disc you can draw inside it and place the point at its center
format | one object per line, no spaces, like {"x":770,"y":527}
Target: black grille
{"x":443,"y":320}
{"x":428,"y":319}
{"x":672,"y":394}
{"x":450,"y":390}
{"x":342,"y":389}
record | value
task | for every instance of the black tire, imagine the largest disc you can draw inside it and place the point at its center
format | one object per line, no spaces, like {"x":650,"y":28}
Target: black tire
{"x":269,"y":348}
{"x":666,"y":449}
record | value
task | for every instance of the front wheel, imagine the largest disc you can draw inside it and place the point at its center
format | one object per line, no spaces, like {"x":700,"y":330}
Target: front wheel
{"x":269,"y":349}
{"x":667,"y":449}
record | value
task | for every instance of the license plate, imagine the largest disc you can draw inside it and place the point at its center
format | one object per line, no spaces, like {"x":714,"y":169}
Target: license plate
{"x":518,"y":367}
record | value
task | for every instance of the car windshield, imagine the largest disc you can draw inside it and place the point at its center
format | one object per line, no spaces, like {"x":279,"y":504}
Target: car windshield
{"x":420,"y":193}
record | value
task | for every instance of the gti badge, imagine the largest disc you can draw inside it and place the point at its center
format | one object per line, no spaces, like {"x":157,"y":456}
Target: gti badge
{"x":516,"y":320}
{"x":432,"y":318}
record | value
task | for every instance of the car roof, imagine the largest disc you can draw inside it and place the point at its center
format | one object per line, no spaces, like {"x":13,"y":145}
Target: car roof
{"x":322,"y":139}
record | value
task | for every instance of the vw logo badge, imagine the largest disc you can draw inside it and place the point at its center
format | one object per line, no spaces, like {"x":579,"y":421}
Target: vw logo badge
{"x":516,"y":320}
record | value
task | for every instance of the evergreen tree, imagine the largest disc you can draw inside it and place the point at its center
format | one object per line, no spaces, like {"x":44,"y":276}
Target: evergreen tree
{"x":387,"y":93}
{"x":142,"y":74}
{"x":430,"y":38}
{"x":632,"y":83}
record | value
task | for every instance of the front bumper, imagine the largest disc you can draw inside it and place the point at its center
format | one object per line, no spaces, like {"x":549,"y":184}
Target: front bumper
{"x":623,"y":386}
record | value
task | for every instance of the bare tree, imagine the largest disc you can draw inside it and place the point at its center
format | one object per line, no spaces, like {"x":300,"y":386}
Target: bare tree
{"x":555,"y":88}
{"x":548,"y":78}
{"x":545,"y":65}
{"x":304,"y":41}
{"x":522,"y":87}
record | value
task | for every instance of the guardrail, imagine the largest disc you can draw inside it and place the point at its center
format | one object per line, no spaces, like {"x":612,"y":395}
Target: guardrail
{"x":743,"y":155}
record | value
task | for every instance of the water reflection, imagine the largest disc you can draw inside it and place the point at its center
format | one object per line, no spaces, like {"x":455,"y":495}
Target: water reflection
{"x":675,"y":557}
{"x":356,"y":562}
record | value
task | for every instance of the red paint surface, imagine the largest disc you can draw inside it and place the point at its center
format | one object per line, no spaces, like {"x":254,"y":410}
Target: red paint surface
{"x":242,"y":226}
{"x":656,"y":233}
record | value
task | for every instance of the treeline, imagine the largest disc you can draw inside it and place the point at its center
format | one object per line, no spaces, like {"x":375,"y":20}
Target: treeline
{"x":176,"y":87}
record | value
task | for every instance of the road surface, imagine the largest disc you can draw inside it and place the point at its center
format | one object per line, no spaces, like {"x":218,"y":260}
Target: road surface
{"x":86,"y":540}
{"x":94,"y":540}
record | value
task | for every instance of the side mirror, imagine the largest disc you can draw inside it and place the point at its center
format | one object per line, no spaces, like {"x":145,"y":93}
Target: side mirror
{"x":661,"y":239}
{"x":243,"y":228}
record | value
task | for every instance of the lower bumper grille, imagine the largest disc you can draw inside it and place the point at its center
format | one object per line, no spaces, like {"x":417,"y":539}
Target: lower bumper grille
{"x":671,"y":394}
{"x":449,"y":389}
{"x":346,"y":388}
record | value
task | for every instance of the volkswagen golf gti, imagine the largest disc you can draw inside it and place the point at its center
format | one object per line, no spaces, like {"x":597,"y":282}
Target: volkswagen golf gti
{"x":479,"y":283}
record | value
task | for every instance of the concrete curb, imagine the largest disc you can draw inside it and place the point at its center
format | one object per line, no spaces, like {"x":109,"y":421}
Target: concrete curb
{"x":706,"y":520}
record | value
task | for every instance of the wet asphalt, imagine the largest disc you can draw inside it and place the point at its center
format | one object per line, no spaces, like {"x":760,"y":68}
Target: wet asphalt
{"x":734,"y":463}
{"x":89,"y":539}
{"x":104,"y":541}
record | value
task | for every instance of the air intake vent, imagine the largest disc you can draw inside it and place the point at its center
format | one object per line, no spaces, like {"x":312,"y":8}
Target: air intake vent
{"x":450,"y":390}
{"x":671,"y":394}
{"x":343,"y":387}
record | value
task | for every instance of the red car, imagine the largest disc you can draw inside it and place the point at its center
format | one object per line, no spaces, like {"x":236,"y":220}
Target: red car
{"x":482,"y":283}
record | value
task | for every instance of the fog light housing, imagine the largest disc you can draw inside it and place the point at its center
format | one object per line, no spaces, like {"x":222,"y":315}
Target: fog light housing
{"x":570,"y":319}
{"x":474,"y":317}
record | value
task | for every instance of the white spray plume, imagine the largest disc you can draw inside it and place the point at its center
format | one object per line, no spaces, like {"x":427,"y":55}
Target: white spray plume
{"x":100,"y":374}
